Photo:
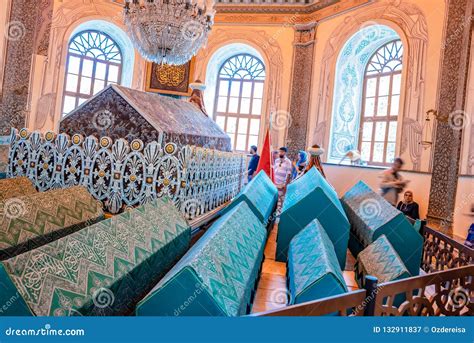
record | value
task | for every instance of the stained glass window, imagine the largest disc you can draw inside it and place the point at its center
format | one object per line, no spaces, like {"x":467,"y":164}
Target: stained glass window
{"x":94,"y":61}
{"x":239,"y":99}
{"x":380,"y":106}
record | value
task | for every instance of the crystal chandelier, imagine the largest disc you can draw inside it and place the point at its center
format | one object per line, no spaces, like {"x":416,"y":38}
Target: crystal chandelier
{"x":168,"y":31}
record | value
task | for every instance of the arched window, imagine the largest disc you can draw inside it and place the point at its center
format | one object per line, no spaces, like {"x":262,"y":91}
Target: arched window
{"x":94,"y":61}
{"x":380,"y":105}
{"x":239,"y":99}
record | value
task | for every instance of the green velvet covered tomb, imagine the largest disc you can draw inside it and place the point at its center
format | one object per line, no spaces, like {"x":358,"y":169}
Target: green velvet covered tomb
{"x":371,"y":216}
{"x":313,"y":268}
{"x":104,"y":269}
{"x":312,"y":197}
{"x":217,"y":277}
{"x":260,"y":195}
{"x":30,"y":221}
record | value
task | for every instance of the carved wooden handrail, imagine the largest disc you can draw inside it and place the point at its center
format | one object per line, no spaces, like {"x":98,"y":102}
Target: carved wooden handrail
{"x":350,"y":304}
{"x":444,"y":293}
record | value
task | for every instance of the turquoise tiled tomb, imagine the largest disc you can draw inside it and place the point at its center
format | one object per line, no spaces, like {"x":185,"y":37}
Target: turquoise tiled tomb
{"x":217,"y":277}
{"x":308,"y":198}
{"x":260,"y":195}
{"x":371,"y":216}
{"x":103,"y":269}
{"x":313,"y":268}
{"x":381,"y":260}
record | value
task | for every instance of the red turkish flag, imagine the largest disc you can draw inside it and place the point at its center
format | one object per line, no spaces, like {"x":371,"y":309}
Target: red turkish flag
{"x":265,"y":162}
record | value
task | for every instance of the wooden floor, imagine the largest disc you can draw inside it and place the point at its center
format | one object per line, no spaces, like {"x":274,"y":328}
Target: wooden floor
{"x":272,"y":292}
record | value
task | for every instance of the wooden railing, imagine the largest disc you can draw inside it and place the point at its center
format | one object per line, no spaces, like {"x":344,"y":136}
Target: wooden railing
{"x":447,"y":289}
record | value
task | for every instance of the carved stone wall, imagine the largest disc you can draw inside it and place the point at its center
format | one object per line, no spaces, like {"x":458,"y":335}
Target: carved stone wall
{"x":300,"y":93}
{"x":27,"y":35}
{"x":451,"y":104}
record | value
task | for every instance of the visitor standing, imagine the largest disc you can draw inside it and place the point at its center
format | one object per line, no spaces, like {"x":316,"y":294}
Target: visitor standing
{"x":282,"y":174}
{"x":253,"y":164}
{"x":392,"y":182}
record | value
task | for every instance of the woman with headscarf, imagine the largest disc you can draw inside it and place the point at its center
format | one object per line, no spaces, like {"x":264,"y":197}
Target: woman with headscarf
{"x":299,"y":166}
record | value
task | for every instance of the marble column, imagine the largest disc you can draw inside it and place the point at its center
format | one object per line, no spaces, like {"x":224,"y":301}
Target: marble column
{"x":300,"y":95}
{"x":451,"y":105}
{"x":27,"y":34}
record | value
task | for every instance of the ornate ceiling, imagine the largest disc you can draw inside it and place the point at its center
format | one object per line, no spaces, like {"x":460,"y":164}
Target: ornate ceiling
{"x":287,"y":12}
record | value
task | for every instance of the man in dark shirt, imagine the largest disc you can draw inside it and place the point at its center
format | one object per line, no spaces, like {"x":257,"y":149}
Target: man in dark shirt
{"x":253,"y":164}
{"x":408,"y":206}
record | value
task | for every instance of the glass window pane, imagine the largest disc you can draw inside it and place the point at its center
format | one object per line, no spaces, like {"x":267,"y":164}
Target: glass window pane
{"x":384,"y":85}
{"x":98,"y":86}
{"x":220,"y":120}
{"x":243,"y":123}
{"x":222,"y":104}
{"x":394,"y":106}
{"x":390,"y":153}
{"x":223,"y":87}
{"x":74,"y":64}
{"x":392,"y":131}
{"x":382,"y":106}
{"x":232,"y":139}
{"x":235,"y":88}
{"x":367,"y":131}
{"x":254,"y":126}
{"x":380,"y":131}
{"x":378,"y":152}
{"x":258,"y":90}
{"x":113,"y":73}
{"x":365,"y":151}
{"x":369,"y":107}
{"x":100,"y":69}
{"x":231,"y":124}
{"x":247,"y":89}
{"x":71,"y":83}
{"x":80,"y":101}
{"x":257,"y":106}
{"x":253,"y":140}
{"x":87,"y":67}
{"x":396,"y":83}
{"x":371,"y":87}
{"x":69,"y":103}
{"x":85,"y":87}
{"x":245,"y":106}
{"x":241,"y":142}
{"x":233,"y":105}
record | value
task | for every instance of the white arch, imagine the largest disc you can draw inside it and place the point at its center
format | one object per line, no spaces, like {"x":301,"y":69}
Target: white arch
{"x":122,"y":40}
{"x":348,"y":84}
{"x":215,"y":63}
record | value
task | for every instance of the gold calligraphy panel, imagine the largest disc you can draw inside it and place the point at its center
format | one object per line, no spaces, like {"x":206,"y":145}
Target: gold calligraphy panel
{"x":169,"y":79}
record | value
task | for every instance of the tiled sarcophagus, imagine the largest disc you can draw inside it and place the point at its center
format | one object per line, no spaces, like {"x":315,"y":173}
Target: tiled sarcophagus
{"x":104,"y":269}
{"x":217,"y":276}
{"x":16,"y":187}
{"x":30,"y":221}
{"x":120,"y":112}
{"x":371,"y":216}
{"x":381,"y":260}
{"x":260,"y":195}
{"x":312,"y":197}
{"x":313,"y":268}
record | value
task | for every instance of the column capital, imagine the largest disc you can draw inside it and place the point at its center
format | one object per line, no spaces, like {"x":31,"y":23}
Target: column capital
{"x":305,"y":34}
